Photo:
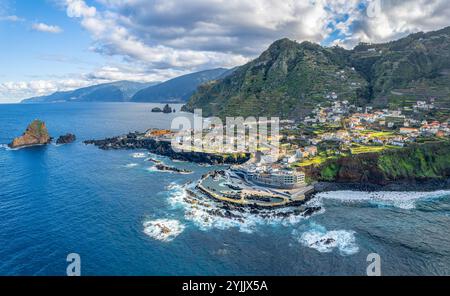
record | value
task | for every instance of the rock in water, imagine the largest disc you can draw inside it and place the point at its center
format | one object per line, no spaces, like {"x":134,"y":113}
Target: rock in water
{"x":35,"y":134}
{"x":66,"y":139}
{"x":167,"y":109}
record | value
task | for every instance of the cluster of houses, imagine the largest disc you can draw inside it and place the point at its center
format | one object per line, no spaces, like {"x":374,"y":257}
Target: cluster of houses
{"x":383,"y":118}
{"x":365,"y":126}
{"x":424,"y":105}
{"x":300,"y":154}
{"x":332,"y":114}
{"x":435,"y":128}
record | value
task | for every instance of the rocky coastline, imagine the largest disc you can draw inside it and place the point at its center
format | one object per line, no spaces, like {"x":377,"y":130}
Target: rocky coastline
{"x":230,"y":209}
{"x":136,"y":140}
{"x":401,"y":185}
{"x":163,"y":167}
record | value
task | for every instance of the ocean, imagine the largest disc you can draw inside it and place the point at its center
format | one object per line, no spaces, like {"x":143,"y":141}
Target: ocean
{"x":103,"y":205}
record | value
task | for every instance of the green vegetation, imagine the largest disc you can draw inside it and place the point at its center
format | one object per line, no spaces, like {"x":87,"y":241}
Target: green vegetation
{"x":287,"y":80}
{"x":359,"y":149}
{"x":290,"y":79}
{"x":366,"y":149}
{"x":329,"y":173}
{"x":420,"y":161}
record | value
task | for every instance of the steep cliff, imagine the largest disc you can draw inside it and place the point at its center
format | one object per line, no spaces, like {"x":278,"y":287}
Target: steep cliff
{"x":35,"y":134}
{"x":416,"y":163}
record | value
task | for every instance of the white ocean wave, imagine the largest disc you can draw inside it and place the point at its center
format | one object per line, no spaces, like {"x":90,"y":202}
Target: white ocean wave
{"x":206,"y":214}
{"x":5,"y":147}
{"x":131,"y":165}
{"x":139,"y":155}
{"x":152,"y":156}
{"x":403,"y":200}
{"x":164,"y":230}
{"x":152,"y":169}
{"x":324,"y":241}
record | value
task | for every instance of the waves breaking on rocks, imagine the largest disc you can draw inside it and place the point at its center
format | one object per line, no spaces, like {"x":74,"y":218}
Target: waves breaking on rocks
{"x":6,"y":147}
{"x":164,"y":230}
{"x":402,"y":200}
{"x":207,"y":214}
{"x":324,"y":241}
{"x":139,"y":155}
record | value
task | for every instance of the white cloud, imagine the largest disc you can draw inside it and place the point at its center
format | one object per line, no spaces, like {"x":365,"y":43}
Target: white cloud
{"x":131,"y":73}
{"x":14,"y":91}
{"x":393,"y":19}
{"x":41,"y":27}
{"x":160,"y":39}
{"x":11,"y":18}
{"x":246,"y":27}
{"x":113,"y":37}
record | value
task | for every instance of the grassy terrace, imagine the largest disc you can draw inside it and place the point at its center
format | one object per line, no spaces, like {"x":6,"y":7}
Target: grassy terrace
{"x":360,"y":149}
{"x":376,"y":134}
{"x":355,"y":149}
{"x":316,"y":160}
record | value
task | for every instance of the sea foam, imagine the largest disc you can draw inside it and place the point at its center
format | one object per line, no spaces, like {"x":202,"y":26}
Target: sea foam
{"x":402,"y":200}
{"x":324,"y":241}
{"x":131,"y":165}
{"x":139,"y":155}
{"x":207,"y":214}
{"x":6,"y":147}
{"x":164,"y":230}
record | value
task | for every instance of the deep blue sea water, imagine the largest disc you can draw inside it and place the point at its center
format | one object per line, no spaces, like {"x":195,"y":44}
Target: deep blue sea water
{"x":56,"y":200}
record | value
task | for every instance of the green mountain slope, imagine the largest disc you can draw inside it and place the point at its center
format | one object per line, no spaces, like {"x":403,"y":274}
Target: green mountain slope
{"x":289,"y":78}
{"x":178,"y":89}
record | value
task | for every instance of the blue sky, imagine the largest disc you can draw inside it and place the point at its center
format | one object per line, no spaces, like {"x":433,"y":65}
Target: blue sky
{"x":28,"y":53}
{"x":51,"y":45}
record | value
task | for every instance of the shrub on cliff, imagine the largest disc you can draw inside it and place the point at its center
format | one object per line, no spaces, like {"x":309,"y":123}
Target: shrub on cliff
{"x":425,"y":161}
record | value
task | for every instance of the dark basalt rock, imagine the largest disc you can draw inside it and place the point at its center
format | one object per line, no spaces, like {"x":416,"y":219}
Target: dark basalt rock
{"x":163,"y":167}
{"x":153,"y":160}
{"x":167,"y":109}
{"x":66,"y":139}
{"x":328,"y":241}
{"x":310,"y":211}
{"x":164,"y":148}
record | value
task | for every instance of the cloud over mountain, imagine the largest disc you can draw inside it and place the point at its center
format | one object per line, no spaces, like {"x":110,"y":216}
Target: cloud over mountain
{"x":206,"y":33}
{"x":161,"y":39}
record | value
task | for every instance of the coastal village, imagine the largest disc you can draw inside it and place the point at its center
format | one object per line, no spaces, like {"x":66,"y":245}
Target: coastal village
{"x":332,"y":130}
{"x":343,"y":129}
